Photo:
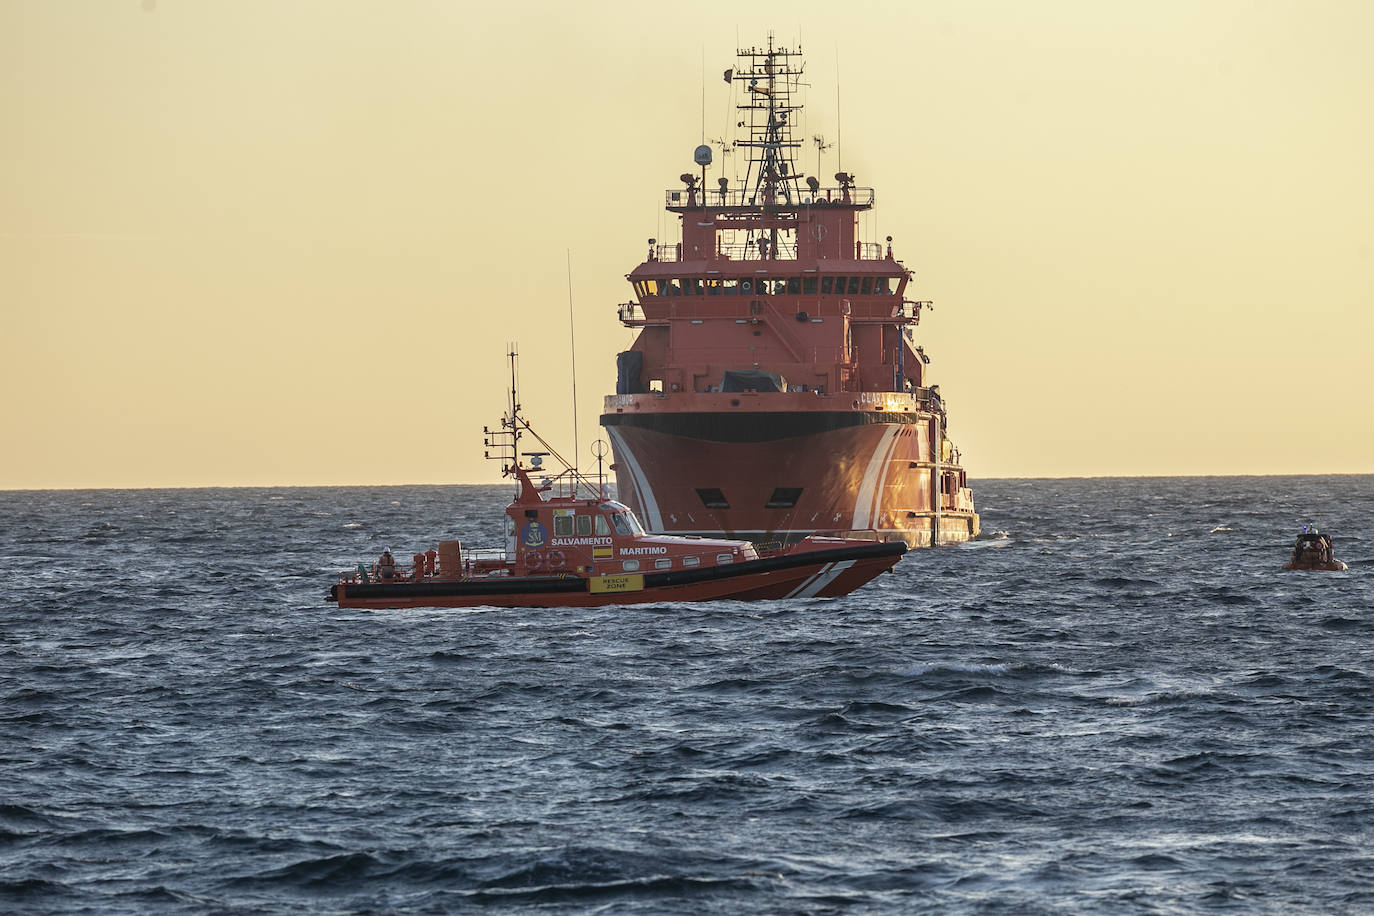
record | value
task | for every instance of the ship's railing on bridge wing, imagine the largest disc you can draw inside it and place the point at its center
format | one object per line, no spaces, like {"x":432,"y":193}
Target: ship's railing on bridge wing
{"x":750,"y":251}
{"x":739,"y":197}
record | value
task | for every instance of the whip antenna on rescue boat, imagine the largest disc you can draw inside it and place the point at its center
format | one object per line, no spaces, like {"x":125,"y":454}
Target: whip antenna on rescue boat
{"x":599,"y":450}
{"x":572,"y":349}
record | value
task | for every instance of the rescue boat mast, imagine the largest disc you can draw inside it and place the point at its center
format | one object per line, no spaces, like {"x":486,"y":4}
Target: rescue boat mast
{"x":506,"y":443}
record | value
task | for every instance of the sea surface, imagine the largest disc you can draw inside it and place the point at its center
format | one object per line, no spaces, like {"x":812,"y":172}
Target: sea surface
{"x":1114,"y":701}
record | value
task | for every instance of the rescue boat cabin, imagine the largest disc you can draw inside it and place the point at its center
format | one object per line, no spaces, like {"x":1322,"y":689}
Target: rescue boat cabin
{"x":565,"y":535}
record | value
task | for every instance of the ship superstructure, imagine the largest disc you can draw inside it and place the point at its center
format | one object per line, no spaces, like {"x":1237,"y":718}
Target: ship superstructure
{"x":775,"y":388}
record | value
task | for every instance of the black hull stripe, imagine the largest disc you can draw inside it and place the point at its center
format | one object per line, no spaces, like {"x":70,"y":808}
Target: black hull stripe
{"x":748,"y":426}
{"x":547,"y":585}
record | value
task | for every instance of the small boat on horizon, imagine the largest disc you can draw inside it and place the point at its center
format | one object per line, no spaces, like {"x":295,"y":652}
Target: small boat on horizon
{"x":580,"y":550}
{"x":1314,"y":551}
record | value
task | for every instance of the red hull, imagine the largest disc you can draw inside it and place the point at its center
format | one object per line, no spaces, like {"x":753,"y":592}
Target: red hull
{"x":873,"y":475}
{"x":821,"y":574}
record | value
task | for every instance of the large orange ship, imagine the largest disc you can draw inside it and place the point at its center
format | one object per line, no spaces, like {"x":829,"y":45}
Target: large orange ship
{"x":775,"y":388}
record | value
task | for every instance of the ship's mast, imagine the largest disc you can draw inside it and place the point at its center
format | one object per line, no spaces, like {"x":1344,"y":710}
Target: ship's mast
{"x":770,"y":78}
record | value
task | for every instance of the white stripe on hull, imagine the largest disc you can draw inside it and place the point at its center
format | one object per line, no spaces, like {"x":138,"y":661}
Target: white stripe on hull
{"x":822,"y":577}
{"x":653,"y":519}
{"x":869,"y":491}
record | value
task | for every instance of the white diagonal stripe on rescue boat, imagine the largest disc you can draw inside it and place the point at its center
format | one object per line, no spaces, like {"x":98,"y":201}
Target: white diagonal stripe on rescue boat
{"x":808,"y":580}
{"x":827,"y":575}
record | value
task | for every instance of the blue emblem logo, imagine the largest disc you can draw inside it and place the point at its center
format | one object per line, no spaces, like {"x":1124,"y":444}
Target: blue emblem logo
{"x":534,"y":535}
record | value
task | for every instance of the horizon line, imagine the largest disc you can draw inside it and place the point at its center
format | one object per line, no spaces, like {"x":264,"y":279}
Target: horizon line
{"x":379,"y":486}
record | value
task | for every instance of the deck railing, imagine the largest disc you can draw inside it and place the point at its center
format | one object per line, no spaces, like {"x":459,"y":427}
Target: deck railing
{"x":749,"y":251}
{"x":739,"y":197}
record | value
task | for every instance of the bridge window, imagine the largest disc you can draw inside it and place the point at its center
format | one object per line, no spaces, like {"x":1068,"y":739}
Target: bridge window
{"x":853,"y":286}
{"x":562,"y":526}
{"x":867,"y":288}
{"x":603,"y":527}
{"x":584,"y":525}
{"x":809,"y":286}
{"x":794,"y":286}
{"x":828,"y":285}
{"x":881,"y":286}
{"x":783,"y":498}
{"x":712,"y":498}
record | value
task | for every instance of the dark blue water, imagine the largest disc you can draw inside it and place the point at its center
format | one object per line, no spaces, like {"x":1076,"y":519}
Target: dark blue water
{"x":1115,"y":701}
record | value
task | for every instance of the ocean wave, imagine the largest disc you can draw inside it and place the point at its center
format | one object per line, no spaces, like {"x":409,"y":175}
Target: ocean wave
{"x":997,"y":669}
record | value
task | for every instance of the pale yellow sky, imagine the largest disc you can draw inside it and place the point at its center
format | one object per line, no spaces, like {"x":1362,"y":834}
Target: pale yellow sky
{"x":260,"y":242}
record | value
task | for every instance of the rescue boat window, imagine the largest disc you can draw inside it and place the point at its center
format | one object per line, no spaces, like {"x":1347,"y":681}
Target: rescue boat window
{"x":783,"y":498}
{"x":827,"y":285}
{"x":712,"y":498}
{"x":867,"y":287}
{"x":630,"y":565}
{"x":603,"y":527}
{"x":723,"y":558}
{"x":584,"y":524}
{"x":794,"y":286}
{"x":624,"y":524}
{"x":663,"y":564}
{"x":562,"y":525}
{"x":808,"y":286}
{"x":691,"y":561}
